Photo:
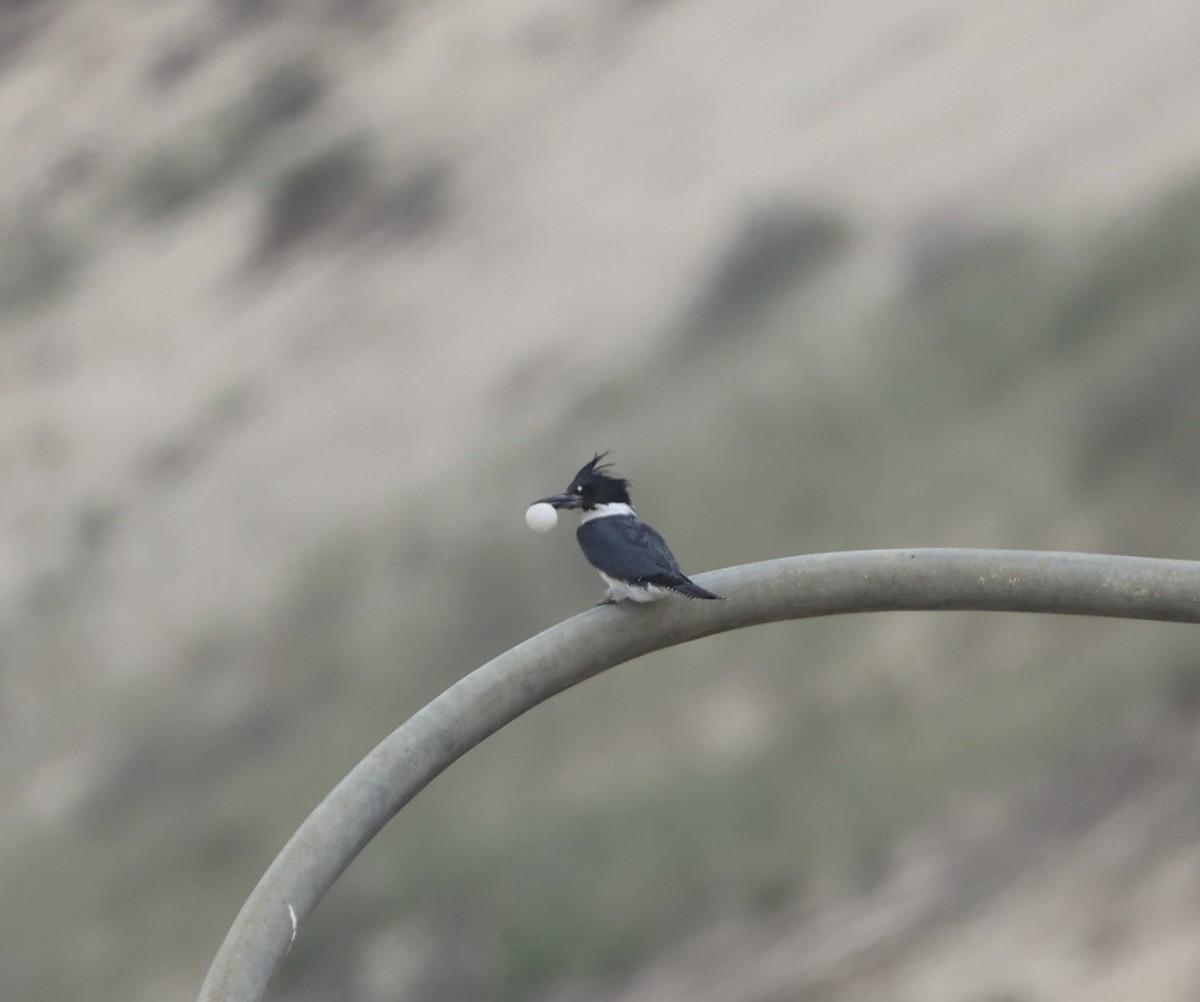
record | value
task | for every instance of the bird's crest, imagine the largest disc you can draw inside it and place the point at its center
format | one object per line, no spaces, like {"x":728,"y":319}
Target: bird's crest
{"x":596,"y":464}
{"x":597,"y":475}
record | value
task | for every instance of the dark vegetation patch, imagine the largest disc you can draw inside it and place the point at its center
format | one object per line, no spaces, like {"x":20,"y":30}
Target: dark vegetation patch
{"x":312,"y":193}
{"x":37,"y":262}
{"x":778,"y":249}
{"x":20,"y":23}
{"x":1149,"y":417}
{"x":342,"y":190}
{"x":172,"y":179}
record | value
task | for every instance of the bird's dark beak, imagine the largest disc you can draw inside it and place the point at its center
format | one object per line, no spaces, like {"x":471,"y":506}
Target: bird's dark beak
{"x":562,"y":501}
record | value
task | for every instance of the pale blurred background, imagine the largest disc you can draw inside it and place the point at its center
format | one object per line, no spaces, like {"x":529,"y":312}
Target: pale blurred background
{"x":301,"y":303}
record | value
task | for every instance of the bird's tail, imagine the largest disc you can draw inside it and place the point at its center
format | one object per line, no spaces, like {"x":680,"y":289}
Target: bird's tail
{"x":689,"y":588}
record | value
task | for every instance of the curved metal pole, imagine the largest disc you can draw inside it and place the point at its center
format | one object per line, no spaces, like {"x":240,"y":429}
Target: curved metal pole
{"x":790,"y":588}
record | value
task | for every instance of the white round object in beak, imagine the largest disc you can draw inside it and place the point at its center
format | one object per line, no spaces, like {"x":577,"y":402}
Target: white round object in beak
{"x":541,"y":517}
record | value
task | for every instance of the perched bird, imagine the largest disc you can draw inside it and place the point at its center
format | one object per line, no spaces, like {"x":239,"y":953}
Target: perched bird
{"x":632,"y":558}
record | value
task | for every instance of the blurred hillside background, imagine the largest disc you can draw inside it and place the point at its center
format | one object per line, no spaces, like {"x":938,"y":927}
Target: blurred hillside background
{"x":301,"y":303}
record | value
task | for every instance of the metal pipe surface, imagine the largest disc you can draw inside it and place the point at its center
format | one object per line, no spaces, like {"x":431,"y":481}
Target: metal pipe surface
{"x":1081,"y":584}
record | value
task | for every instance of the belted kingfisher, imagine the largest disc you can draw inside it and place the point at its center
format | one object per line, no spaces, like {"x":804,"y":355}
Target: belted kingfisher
{"x":632,"y":558}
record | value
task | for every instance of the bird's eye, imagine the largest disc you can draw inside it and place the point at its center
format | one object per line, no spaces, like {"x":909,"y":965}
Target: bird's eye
{"x":576,"y":489}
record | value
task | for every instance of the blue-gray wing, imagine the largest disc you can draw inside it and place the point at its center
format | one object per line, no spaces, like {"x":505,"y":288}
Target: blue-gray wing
{"x":629,"y":550}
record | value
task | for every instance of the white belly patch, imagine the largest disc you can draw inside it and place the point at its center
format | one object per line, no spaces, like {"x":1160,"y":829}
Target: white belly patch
{"x":619,"y":591}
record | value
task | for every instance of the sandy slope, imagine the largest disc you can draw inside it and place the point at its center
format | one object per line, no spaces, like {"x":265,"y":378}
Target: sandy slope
{"x":177,"y":425}
{"x":602,"y":157}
